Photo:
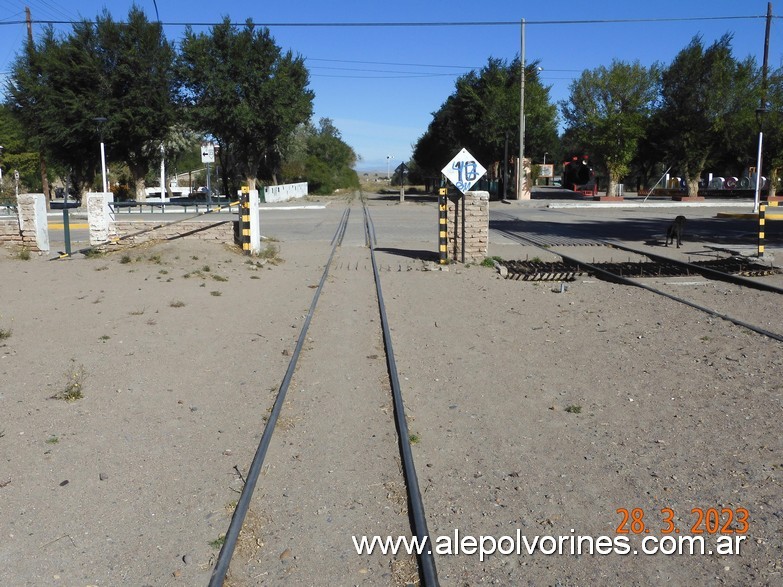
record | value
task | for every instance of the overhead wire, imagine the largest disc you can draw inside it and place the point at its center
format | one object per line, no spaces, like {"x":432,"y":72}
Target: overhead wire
{"x":413,"y":24}
{"x":53,"y":8}
{"x":390,"y":63}
{"x":400,"y":75}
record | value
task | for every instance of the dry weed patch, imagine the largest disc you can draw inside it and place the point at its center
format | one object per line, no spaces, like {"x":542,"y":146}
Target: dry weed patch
{"x":74,"y":385}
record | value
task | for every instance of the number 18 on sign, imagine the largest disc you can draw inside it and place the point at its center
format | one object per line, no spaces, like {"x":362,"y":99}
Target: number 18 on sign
{"x":463,"y":171}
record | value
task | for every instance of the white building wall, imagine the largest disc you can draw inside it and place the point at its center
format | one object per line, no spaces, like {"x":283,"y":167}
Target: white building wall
{"x":285,"y":192}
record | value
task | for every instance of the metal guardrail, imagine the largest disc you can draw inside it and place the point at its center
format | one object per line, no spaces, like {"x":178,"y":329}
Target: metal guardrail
{"x":151,"y":207}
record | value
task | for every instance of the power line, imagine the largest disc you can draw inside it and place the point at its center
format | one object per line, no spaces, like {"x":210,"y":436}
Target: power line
{"x":411,"y":24}
{"x":389,"y":63}
{"x":402,"y":76}
{"x":17,"y":14}
{"x":54,"y":8}
{"x":379,"y":70}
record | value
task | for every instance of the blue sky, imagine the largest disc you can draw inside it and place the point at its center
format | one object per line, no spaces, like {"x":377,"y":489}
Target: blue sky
{"x":380,"y":85}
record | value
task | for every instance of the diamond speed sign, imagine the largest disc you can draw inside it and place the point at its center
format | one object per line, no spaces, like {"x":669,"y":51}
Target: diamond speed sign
{"x":463,"y":171}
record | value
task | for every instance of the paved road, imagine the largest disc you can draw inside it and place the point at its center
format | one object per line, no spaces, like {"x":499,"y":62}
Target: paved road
{"x":415,"y":222}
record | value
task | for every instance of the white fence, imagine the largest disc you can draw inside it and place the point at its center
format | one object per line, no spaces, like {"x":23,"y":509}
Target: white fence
{"x":285,"y":192}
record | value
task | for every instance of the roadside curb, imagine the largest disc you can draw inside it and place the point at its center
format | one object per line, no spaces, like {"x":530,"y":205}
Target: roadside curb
{"x":626,"y":204}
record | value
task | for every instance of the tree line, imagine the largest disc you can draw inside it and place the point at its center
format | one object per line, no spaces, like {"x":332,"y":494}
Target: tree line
{"x":125,"y":83}
{"x":702,"y":112}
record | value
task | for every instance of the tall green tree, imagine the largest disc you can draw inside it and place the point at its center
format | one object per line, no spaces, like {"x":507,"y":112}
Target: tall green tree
{"x":240,"y":88}
{"x":53,"y":91}
{"x":16,"y":155}
{"x":330,"y":160}
{"x":119,"y":71}
{"x":137,"y":63}
{"x":772,"y":126}
{"x":319,"y":156}
{"x":701,"y":96}
{"x":607,"y":114}
{"x":482,"y":115}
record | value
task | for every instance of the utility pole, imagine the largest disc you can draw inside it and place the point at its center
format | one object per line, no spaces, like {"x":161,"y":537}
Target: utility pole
{"x":41,"y":158}
{"x":760,"y":112}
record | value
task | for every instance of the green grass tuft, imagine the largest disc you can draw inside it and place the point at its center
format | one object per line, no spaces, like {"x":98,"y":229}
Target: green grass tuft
{"x":217,"y":544}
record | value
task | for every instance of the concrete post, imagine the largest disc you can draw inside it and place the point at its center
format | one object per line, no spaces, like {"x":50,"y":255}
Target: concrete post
{"x":33,"y":224}
{"x":100,"y":218}
{"x":524,"y":183}
{"x":255,"y":223}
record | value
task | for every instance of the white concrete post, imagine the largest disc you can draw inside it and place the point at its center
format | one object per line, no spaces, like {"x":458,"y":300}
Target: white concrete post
{"x":100,"y":218}
{"x":255,"y":222}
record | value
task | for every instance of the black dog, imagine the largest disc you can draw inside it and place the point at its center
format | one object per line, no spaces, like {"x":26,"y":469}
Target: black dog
{"x":675,"y":231}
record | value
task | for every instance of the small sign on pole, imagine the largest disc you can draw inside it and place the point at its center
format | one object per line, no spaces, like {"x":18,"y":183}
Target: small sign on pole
{"x":207,"y":152}
{"x":208,"y":157}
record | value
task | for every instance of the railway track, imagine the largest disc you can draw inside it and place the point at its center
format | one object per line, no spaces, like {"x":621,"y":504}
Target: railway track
{"x":631,"y":274}
{"x":354,"y":426}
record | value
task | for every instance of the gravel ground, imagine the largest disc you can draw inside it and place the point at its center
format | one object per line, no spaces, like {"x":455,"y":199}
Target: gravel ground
{"x":534,"y":413}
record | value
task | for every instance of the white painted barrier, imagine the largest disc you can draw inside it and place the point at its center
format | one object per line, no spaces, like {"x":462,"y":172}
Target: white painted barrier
{"x":285,"y":192}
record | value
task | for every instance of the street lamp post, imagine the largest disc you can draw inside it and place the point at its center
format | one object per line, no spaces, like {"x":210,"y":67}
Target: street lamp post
{"x":521,"y":175}
{"x":162,"y":171}
{"x":388,"y":167}
{"x":760,"y":112}
{"x":505,"y":170}
{"x":100,"y":120}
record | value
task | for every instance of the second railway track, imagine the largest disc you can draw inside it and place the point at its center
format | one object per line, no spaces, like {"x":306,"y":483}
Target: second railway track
{"x":633,"y":273}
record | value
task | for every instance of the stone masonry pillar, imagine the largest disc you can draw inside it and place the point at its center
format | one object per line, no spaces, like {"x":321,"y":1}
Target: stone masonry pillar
{"x":475,"y":221}
{"x":33,"y":224}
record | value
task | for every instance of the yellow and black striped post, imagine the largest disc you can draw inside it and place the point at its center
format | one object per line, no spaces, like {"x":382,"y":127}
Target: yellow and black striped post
{"x":443,"y":227}
{"x":244,"y":219}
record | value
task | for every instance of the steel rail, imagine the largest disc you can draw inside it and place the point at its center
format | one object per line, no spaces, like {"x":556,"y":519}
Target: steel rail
{"x":243,"y":504}
{"x":427,"y":570}
{"x":626,"y":281}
